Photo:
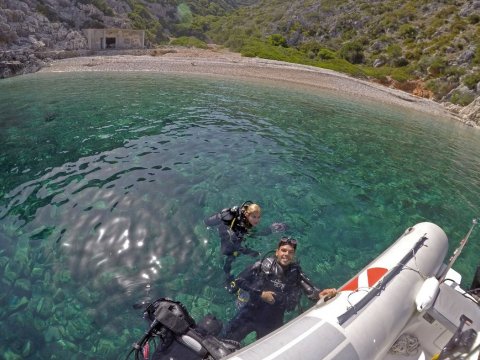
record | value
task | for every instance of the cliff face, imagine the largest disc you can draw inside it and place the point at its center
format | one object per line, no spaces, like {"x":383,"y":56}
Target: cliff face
{"x":34,"y":31}
{"x":27,"y":35}
{"x":52,"y":24}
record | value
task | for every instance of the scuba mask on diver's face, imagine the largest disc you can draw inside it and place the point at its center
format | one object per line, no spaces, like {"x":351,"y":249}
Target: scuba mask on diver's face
{"x":244,"y":205}
{"x":288,"y":241}
{"x":239,"y":212}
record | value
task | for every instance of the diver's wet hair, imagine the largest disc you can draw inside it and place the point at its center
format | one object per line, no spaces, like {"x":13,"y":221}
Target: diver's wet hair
{"x":288,"y":241}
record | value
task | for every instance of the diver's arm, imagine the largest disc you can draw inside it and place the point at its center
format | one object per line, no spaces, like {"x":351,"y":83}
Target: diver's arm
{"x":312,"y":292}
{"x":213,"y":220}
{"x":248,"y":251}
{"x":246,"y":280}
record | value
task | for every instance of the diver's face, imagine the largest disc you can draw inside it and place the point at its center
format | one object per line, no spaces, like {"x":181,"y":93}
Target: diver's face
{"x":285,"y":254}
{"x":253,"y":218}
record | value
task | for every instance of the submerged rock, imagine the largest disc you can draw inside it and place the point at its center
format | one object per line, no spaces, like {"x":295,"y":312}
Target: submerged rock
{"x":10,"y":355}
{"x":105,"y":348}
{"x":50,"y":116}
{"x":37,"y":273}
{"x":27,"y":349}
{"x":17,"y":305}
{"x":23,"y":287}
{"x":53,"y":333}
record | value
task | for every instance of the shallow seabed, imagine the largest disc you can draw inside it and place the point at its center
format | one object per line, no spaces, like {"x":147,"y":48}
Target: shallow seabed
{"x":106,"y":178}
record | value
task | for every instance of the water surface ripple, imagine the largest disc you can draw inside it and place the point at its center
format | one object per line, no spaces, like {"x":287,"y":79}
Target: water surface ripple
{"x":105,"y":180}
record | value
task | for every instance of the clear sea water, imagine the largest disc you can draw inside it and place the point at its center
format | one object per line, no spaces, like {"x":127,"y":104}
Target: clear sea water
{"x":106,"y":178}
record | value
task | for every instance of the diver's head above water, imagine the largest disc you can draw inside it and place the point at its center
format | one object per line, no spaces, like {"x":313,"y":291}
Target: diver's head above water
{"x":252,"y":213}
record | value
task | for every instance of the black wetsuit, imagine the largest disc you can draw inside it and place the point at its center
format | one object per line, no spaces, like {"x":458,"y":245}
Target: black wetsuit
{"x":259,"y":316}
{"x":232,"y":229}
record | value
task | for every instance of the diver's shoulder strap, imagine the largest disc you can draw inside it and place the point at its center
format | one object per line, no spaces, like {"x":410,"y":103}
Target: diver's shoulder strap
{"x":267,"y":265}
{"x":228,"y":214}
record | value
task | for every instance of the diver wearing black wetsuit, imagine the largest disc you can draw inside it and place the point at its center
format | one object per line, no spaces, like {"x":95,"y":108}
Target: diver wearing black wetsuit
{"x":285,"y":282}
{"x":233,"y":225}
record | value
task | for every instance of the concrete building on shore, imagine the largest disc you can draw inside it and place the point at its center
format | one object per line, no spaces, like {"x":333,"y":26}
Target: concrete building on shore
{"x":102,"y":39}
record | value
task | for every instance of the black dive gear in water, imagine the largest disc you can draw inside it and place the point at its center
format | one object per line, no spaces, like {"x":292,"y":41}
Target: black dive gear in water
{"x":256,"y":315}
{"x":233,"y":226}
{"x":178,"y":336}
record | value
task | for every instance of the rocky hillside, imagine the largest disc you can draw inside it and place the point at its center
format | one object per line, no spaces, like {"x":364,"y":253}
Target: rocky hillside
{"x":429,"y":48}
{"x":32,"y":31}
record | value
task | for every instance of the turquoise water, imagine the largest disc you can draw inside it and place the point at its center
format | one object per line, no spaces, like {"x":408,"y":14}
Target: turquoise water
{"x":105,"y":180}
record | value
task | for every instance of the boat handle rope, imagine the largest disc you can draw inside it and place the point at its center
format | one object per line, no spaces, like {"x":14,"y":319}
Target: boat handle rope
{"x":380,"y":286}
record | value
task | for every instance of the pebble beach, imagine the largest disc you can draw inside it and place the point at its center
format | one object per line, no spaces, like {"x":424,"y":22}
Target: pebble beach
{"x":223,"y":63}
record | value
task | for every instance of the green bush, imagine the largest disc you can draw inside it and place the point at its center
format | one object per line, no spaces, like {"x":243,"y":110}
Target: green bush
{"x":461,"y":99}
{"x":471,"y":80}
{"x":258,"y":48}
{"x":474,"y":19}
{"x":277,"y":40}
{"x":401,"y":74}
{"x":143,"y":19}
{"x":394,"y":51}
{"x":236,"y":43}
{"x":352,"y":52}
{"x":103,"y":7}
{"x":397,"y":74}
{"x":438,"y":66}
{"x":440,"y":87}
{"x":262,"y":49}
{"x":189,"y":41}
{"x":407,"y":31}
{"x":476,"y":59}
{"x":315,"y":50}
{"x":325,"y":54}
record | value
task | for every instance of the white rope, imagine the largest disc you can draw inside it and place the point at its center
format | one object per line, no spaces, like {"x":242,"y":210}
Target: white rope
{"x":406,"y":345}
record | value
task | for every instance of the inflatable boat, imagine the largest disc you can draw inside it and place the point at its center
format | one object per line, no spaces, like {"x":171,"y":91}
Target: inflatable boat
{"x":406,"y":304}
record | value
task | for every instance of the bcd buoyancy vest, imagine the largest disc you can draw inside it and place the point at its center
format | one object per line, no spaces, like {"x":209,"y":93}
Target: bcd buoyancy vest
{"x":285,"y":282}
{"x":235,"y":219}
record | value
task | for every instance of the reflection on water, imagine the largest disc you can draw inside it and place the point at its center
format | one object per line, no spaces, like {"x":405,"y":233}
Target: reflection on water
{"x":106,"y":180}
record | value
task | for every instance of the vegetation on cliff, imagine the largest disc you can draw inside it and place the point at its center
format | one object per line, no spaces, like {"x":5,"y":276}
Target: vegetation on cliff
{"x":431,"y":48}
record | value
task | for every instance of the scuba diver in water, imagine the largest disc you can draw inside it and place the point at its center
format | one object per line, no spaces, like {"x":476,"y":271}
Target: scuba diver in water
{"x":274,"y":286}
{"x":233,"y":225}
{"x":175,"y":335}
